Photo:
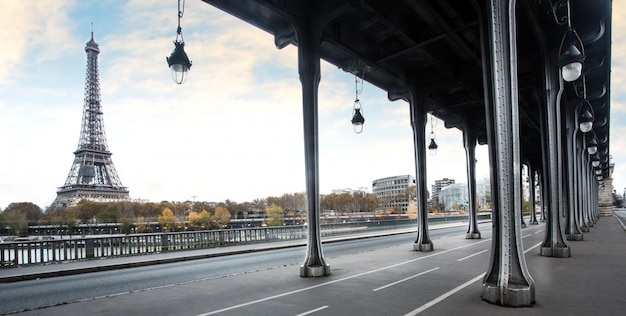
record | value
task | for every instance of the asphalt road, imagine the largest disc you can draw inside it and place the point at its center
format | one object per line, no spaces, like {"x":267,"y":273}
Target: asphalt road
{"x":40,"y":293}
{"x":621,"y":214}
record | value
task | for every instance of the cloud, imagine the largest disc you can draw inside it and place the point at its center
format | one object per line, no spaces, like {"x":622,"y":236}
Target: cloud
{"x":36,"y":32}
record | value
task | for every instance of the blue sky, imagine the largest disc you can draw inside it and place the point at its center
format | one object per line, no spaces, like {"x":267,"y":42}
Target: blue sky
{"x":232,"y":131}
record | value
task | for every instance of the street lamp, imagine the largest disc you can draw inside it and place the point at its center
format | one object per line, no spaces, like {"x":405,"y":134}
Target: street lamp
{"x":571,"y":52}
{"x":433,"y":144}
{"x":432,"y":147}
{"x":585,"y":117}
{"x":571,"y":59}
{"x":595,"y":160}
{"x":178,"y":61}
{"x":592,"y":145}
{"x":357,"y":118}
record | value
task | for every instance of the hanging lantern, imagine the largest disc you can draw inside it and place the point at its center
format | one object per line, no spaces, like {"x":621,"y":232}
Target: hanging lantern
{"x":178,"y":61}
{"x":357,"y":117}
{"x":432,"y":147}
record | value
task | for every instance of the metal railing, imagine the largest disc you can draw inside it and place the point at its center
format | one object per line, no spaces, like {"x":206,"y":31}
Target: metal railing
{"x":15,"y":253}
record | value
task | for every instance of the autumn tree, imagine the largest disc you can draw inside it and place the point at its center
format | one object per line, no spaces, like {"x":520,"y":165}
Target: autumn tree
{"x":200,"y":220}
{"x":167,"y":219}
{"x":221,"y":218}
{"x":411,"y":211}
{"x":192,"y":219}
{"x":370,"y":203}
{"x":275,"y":215}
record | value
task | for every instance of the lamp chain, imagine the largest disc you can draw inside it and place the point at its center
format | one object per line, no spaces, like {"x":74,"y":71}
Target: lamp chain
{"x":179,"y":30}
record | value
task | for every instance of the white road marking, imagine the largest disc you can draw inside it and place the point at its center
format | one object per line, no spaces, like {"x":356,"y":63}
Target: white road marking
{"x":453,"y":291}
{"x":444,"y":296}
{"x":313,"y":310}
{"x":476,"y":254}
{"x":533,"y":247}
{"x":405,"y":279}
{"x":269,"y":298}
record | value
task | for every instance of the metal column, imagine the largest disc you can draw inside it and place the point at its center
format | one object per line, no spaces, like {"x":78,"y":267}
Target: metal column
{"x":418,"y":123}
{"x":507,"y":281}
{"x":532,"y":188}
{"x":572,"y":229}
{"x":469,"y":142}
{"x":309,"y":70}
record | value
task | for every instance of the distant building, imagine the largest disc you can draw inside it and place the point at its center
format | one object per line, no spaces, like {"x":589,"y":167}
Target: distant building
{"x":391,"y":192}
{"x":436,"y":188}
{"x":361,"y":190}
{"x":456,"y":193}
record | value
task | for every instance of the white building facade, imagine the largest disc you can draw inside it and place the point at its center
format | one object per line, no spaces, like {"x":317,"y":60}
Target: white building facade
{"x":392,"y":192}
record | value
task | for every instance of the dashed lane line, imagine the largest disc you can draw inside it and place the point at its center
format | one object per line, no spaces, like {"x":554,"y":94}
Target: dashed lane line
{"x":269,"y":298}
{"x":405,"y":279}
{"x":313,"y":311}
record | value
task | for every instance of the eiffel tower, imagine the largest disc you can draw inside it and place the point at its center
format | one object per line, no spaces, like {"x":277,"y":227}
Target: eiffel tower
{"x":92,"y":176}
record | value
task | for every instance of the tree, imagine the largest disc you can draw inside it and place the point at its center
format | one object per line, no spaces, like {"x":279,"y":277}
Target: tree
{"x":17,"y":216}
{"x":221,"y":216}
{"x":370,"y":203}
{"x":192,"y":219}
{"x":109,"y":215}
{"x":200,"y":220}
{"x":204,"y":220}
{"x":16,"y":222}
{"x":411,"y":211}
{"x":141,"y":225}
{"x":275,"y":215}
{"x":85,"y":210}
{"x":167,"y":219}
{"x":526,"y":206}
{"x":411,"y":192}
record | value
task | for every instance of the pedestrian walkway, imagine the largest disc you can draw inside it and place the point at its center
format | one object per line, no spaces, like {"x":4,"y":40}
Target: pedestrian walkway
{"x":398,"y":281}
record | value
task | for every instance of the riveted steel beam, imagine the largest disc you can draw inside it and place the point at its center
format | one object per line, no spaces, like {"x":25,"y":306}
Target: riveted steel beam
{"x":507,"y":281}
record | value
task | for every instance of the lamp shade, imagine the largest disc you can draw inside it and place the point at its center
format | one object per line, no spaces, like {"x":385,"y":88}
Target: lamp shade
{"x":179,"y":63}
{"x":571,"y":62}
{"x":357,"y":121}
{"x":433,"y":145}
{"x":595,"y":160}
{"x":585,"y":120}
{"x":357,"y":118}
{"x":592,"y":145}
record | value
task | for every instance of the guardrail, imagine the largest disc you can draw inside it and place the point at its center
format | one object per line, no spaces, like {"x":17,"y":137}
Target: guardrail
{"x":17,"y":253}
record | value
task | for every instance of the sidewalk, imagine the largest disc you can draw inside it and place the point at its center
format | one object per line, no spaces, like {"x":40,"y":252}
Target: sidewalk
{"x":88,"y":266}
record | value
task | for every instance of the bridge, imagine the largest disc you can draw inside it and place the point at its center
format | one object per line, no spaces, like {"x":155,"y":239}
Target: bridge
{"x":531,"y":79}
{"x":528,"y":78}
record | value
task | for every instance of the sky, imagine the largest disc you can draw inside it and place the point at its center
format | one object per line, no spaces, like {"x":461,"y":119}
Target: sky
{"x":233,"y":131}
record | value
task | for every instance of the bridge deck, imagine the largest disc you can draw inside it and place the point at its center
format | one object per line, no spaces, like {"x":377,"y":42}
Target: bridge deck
{"x":398,"y":281}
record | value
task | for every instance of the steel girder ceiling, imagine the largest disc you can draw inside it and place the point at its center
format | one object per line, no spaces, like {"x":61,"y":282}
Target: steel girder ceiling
{"x":434,"y":45}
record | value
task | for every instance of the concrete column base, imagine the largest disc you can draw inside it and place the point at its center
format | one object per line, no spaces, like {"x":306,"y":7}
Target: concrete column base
{"x":585,"y":229}
{"x":512,"y":296}
{"x":423,"y":247}
{"x":556,"y":252}
{"x":534,"y":222}
{"x":575,"y":237}
{"x":472,"y":235}
{"x":314,"y":271}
